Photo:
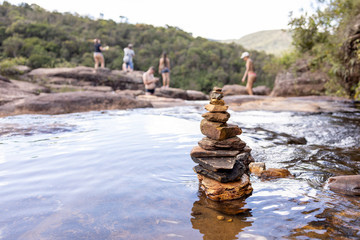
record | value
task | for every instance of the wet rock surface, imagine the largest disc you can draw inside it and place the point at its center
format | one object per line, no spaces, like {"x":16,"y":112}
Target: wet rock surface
{"x":348,"y":185}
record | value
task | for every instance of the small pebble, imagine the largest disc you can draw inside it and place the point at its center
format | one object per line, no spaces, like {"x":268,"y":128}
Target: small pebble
{"x":220,"y":218}
{"x":230,"y":220}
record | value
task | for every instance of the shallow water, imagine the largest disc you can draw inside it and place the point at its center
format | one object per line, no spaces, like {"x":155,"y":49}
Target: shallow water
{"x":128,"y":175}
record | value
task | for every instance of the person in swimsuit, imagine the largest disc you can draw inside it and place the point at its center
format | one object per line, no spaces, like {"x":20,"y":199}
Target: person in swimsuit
{"x":164,"y":69}
{"x":98,"y":56}
{"x":150,"y":81}
{"x":250,"y":73}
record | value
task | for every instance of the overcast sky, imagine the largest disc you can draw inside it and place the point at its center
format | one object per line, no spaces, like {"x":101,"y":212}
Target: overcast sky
{"x":213,"y":19}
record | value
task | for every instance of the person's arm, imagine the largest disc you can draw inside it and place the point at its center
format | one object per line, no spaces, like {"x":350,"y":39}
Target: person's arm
{"x":246,"y":71}
{"x":160,"y":64}
{"x":169,"y":63}
{"x":145,"y":79}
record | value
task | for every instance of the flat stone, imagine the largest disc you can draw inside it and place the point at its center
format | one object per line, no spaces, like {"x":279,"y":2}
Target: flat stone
{"x":225,"y":191}
{"x":223,"y":175}
{"x":219,"y":131}
{"x":272,"y":173}
{"x":200,"y":152}
{"x":216,"y":117}
{"x":216,"y":108}
{"x":233,"y":143}
{"x":349,"y":185}
{"x":220,"y":102}
{"x":215,"y":164}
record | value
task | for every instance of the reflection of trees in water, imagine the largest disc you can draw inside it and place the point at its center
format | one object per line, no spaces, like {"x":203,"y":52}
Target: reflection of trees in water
{"x":204,"y":218}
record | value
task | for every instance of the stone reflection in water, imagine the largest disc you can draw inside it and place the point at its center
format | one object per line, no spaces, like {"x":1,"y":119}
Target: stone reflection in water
{"x":205,"y":213}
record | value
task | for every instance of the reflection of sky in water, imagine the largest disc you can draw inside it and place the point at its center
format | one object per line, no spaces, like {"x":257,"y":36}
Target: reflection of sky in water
{"x":128,"y":175}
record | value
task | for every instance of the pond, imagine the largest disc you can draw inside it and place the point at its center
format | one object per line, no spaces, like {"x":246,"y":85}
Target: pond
{"x":128,"y":175}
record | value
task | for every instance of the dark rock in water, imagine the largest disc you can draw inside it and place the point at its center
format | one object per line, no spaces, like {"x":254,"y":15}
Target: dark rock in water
{"x":216,"y":117}
{"x":349,"y":185}
{"x":297,"y":140}
{"x":215,"y":163}
{"x":200,"y":152}
{"x":223,"y":175}
{"x":233,"y":143}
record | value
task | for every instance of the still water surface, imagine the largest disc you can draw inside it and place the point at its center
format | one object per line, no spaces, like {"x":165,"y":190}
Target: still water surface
{"x":128,"y":175}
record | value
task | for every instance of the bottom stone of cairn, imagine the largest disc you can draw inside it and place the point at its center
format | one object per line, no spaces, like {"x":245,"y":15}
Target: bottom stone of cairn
{"x":218,"y":191}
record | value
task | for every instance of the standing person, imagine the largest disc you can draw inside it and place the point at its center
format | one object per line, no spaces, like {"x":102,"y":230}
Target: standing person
{"x":129,"y":53}
{"x":98,"y":56}
{"x":250,"y":73}
{"x":149,"y":81}
{"x":164,"y":69}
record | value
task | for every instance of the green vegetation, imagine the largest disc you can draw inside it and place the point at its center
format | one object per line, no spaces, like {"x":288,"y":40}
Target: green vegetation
{"x":275,"y":42}
{"x":50,"y":39}
{"x":327,"y":38}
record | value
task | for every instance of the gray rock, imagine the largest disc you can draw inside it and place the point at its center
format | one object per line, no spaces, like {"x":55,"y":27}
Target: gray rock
{"x":215,"y":163}
{"x":224,"y":175}
{"x":349,"y":185}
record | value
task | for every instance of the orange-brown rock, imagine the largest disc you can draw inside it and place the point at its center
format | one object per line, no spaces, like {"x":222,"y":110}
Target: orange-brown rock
{"x":233,"y":143}
{"x":220,"y":102}
{"x":216,"y":117}
{"x":257,"y":168}
{"x":219,"y":131}
{"x":225,"y":191}
{"x":272,"y":173}
{"x":216,"y":108}
{"x":200,"y":152}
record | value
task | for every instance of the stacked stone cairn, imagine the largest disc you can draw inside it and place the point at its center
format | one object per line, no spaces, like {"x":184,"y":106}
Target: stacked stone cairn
{"x":223,"y":158}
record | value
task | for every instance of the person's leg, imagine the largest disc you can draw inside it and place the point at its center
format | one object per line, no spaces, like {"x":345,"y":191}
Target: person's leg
{"x":131,"y":64}
{"x":102,"y":61}
{"x":96,"y":62}
{"x":164,"y":79}
{"x":168,"y":78}
{"x":249,"y":85}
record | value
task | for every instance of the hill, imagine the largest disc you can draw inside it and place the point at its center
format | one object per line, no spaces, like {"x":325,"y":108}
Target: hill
{"x":271,"y":41}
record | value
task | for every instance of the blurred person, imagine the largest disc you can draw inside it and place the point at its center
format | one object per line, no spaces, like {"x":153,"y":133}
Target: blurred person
{"x":249,"y":72}
{"x":98,"y":56}
{"x":150,"y":81}
{"x":164,"y":69}
{"x":129,"y":54}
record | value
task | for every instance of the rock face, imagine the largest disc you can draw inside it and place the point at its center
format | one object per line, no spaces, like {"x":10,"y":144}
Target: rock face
{"x":349,"y":185}
{"x":223,"y":159}
{"x":235,"y":89}
{"x":299,"y":80}
{"x":60,"y":103}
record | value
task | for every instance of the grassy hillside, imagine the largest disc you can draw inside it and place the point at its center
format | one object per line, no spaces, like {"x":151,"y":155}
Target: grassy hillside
{"x":271,"y":41}
{"x":35,"y":37}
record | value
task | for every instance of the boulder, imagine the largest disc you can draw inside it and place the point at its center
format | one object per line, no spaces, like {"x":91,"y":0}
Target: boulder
{"x":273,"y":173}
{"x":9,"y":92}
{"x":349,"y":185}
{"x":70,"y":102}
{"x":195,"y":95}
{"x":233,"y":143}
{"x":299,"y":80}
{"x":234,"y":89}
{"x":170,"y":93}
{"x":103,"y":77}
{"x":218,"y":191}
{"x":262,"y":90}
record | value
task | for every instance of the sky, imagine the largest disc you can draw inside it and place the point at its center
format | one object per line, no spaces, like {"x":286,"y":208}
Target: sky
{"x":212,"y":19}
